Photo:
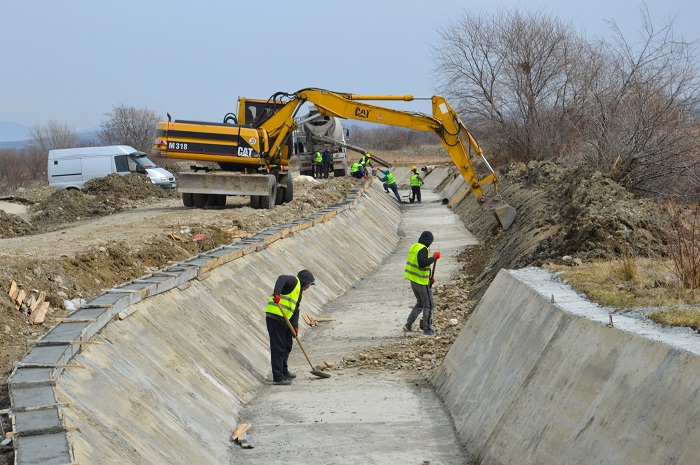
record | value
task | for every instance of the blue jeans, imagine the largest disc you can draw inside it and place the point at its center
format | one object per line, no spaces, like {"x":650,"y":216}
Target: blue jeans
{"x":394,"y":188}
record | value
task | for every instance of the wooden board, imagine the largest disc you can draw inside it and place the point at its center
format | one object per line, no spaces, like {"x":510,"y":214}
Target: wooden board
{"x":39,"y":313}
{"x":240,"y":430}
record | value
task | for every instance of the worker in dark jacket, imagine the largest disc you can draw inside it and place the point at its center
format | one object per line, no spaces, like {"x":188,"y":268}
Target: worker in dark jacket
{"x":389,"y":183}
{"x":327,"y":158}
{"x":419,"y":274}
{"x":286,"y":298}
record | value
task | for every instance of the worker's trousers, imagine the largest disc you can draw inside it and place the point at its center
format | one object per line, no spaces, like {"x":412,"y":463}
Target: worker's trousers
{"x":424,"y":304}
{"x":281,"y":341}
{"x":415,"y":193}
{"x":394,"y":188}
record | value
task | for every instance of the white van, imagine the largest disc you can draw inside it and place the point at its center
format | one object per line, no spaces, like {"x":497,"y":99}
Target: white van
{"x":71,"y":168}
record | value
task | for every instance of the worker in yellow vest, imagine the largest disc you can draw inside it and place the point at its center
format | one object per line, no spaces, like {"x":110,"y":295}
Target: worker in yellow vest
{"x":389,"y":183}
{"x":286,"y":297}
{"x":416,"y":181}
{"x":418,"y":272}
{"x":318,"y":165}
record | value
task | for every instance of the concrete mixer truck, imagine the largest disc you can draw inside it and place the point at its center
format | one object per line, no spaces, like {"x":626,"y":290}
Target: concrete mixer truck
{"x":315,"y":133}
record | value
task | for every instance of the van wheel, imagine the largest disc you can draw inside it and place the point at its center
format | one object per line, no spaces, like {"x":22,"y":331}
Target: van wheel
{"x":200,"y":200}
{"x":188,"y":200}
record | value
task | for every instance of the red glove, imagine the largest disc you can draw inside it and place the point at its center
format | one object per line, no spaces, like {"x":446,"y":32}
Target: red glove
{"x":276,"y":298}
{"x":296,"y":330}
{"x":436,"y":255}
{"x":432,"y":280}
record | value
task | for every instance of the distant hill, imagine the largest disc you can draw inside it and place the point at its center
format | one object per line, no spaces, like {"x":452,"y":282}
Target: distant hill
{"x":16,"y":136}
{"x":10,"y":131}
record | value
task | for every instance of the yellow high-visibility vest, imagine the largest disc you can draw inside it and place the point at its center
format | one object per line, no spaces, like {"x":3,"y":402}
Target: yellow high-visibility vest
{"x":288,"y":302}
{"x":414,"y":272}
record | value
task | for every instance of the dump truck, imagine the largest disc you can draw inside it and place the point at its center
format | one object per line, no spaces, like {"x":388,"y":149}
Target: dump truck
{"x":253,"y":149}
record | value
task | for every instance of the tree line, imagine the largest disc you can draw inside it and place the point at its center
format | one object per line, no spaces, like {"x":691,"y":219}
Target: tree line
{"x":529,"y":87}
{"x":123,"y":125}
{"x":533,"y":89}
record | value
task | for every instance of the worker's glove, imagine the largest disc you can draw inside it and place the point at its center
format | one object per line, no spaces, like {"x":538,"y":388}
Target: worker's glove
{"x":436,"y":255}
{"x":431,"y":280}
{"x":296,"y":330}
{"x":277,"y":298}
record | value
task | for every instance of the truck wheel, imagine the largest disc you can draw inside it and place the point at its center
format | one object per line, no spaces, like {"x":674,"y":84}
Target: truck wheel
{"x":188,"y":199}
{"x":255,"y":201}
{"x":338,"y":173}
{"x":200,"y":200}
{"x":307,"y":173}
{"x":267,"y":202}
{"x":289,"y":191}
{"x":221,"y":200}
{"x":213,"y":200}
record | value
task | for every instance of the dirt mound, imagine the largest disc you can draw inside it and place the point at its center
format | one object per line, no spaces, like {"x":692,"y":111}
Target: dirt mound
{"x":14,"y":226}
{"x":565,"y":214}
{"x":99,"y":197}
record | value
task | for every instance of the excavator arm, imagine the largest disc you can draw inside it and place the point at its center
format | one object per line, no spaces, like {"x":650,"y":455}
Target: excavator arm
{"x":444,"y":122}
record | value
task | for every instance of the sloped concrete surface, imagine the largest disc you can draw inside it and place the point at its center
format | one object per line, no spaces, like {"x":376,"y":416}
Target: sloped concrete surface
{"x":535,"y":381}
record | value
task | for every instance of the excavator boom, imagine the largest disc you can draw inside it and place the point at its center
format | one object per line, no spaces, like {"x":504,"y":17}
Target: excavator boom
{"x":262,"y":139}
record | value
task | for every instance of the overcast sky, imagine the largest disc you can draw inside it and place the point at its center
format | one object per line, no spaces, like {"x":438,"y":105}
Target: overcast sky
{"x":73,"y":60}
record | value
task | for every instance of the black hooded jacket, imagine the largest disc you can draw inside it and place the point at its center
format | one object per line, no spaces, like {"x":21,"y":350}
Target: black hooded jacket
{"x":424,"y":259}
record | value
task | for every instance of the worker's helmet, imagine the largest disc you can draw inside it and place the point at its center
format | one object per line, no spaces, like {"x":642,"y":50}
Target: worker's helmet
{"x":368,"y":155}
{"x":413,"y":168}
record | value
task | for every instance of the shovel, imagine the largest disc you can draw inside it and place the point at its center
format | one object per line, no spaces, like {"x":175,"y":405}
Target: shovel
{"x":314,"y":371}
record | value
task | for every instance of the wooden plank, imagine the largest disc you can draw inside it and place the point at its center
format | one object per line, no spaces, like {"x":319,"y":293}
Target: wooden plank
{"x":38,"y":314}
{"x":241,"y":429}
{"x":307,"y":319}
{"x":13,"y":291}
{"x":76,"y":320}
{"x":20,"y":298}
{"x":324,"y":319}
{"x":37,"y":302}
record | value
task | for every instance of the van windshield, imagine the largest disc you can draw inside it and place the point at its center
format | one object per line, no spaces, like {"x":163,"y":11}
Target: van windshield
{"x":144,"y":161}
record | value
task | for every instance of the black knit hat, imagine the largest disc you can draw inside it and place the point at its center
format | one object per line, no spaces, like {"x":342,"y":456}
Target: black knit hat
{"x":426,"y":238}
{"x":306,"y":278}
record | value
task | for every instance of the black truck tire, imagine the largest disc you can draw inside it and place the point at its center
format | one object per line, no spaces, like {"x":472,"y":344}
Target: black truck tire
{"x":188,"y":199}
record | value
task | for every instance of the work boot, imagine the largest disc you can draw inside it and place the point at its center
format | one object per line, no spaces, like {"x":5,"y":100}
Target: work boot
{"x":283,"y":382}
{"x":290,"y":375}
{"x":429,"y":332}
{"x":407,"y":328}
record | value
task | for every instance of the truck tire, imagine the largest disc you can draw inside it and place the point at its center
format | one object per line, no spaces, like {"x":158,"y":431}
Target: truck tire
{"x":267,"y":202}
{"x":255,"y":202}
{"x":338,"y":173}
{"x":200,"y":200}
{"x":289,"y":191}
{"x":285,"y":194}
{"x":221,"y":200}
{"x":307,"y":173}
{"x":188,"y":199}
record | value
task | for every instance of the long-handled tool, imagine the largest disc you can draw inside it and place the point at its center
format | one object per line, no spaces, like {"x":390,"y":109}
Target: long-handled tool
{"x":431,"y":279}
{"x":314,"y":371}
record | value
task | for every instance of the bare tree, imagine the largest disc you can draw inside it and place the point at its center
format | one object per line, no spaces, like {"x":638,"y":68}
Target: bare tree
{"x":643,"y":114}
{"x":52,"y":135}
{"x":128,"y":125}
{"x":516,"y":75}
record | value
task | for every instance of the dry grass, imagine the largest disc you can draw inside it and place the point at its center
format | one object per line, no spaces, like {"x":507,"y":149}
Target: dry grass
{"x":631,"y":283}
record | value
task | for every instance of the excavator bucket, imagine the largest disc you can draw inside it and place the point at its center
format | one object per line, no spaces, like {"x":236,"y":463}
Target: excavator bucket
{"x":504,"y":213}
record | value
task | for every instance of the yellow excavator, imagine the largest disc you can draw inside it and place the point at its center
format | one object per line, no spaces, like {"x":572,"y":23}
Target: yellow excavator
{"x":253,"y":149}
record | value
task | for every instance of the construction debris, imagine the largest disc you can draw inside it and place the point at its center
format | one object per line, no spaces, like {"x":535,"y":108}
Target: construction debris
{"x":314,"y":321}
{"x":242,"y":436}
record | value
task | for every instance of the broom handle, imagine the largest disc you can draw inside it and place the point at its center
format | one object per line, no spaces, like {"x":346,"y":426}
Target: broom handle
{"x":291,"y":328}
